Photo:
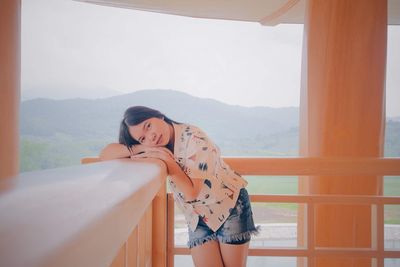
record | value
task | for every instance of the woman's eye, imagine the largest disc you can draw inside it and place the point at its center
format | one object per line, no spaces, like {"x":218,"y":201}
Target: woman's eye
{"x":148,"y":125}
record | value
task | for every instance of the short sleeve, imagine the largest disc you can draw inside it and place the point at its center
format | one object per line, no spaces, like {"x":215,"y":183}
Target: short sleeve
{"x":202,"y":156}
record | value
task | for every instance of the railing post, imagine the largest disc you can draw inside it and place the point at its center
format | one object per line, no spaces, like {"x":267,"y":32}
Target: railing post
{"x":171,"y":230}
{"x":310,"y":233}
{"x":380,"y":230}
{"x":159,"y":249}
{"x":342,"y":113}
{"x":10,"y":32}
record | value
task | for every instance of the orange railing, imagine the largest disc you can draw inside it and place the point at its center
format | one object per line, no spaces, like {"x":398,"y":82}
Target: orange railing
{"x":313,"y":166}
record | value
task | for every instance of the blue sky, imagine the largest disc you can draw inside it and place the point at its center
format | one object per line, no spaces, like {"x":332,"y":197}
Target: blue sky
{"x":73,"y":49}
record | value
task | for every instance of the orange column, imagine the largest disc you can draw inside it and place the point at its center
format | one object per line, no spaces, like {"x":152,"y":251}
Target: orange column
{"x":10,"y":22}
{"x":342,"y":112}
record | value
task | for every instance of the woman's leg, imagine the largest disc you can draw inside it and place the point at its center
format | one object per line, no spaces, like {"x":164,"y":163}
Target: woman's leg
{"x":207,"y":254}
{"x":234,"y":255}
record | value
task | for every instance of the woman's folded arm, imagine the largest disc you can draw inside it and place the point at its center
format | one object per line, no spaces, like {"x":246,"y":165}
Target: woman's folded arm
{"x":114,"y":151}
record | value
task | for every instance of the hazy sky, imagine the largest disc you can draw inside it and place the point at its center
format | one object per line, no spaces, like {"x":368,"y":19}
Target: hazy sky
{"x":73,"y":49}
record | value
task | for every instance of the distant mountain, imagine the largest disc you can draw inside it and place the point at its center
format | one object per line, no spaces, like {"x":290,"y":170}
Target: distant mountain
{"x":29,"y":93}
{"x":57,"y":133}
{"x":101,"y":117}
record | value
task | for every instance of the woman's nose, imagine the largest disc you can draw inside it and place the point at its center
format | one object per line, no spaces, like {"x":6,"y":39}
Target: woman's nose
{"x":152,"y":137}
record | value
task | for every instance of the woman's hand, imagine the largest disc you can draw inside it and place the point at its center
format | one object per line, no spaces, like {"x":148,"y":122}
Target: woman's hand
{"x":162,"y":153}
{"x":138,"y":149}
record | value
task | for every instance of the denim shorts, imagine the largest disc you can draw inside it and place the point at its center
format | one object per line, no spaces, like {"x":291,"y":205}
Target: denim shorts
{"x":237,"y":229}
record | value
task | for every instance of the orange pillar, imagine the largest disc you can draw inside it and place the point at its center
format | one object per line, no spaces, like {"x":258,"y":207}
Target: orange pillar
{"x":342,"y":113}
{"x":10,"y":24}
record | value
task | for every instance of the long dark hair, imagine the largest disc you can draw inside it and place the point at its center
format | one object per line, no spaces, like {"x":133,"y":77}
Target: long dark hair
{"x":134,"y":116}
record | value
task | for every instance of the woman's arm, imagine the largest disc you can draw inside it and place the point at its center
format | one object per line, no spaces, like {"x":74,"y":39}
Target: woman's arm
{"x":114,"y":151}
{"x":189,"y":187}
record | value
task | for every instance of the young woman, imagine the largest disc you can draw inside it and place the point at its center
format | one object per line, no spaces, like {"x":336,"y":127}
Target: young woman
{"x":211,"y":195}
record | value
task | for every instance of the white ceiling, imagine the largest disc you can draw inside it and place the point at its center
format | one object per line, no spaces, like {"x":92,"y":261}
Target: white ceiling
{"x":266,"y":12}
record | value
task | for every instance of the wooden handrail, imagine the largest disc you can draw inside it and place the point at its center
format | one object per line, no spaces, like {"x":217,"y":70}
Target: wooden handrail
{"x":297,"y":166}
{"x":315,"y":166}
{"x":76,"y":216}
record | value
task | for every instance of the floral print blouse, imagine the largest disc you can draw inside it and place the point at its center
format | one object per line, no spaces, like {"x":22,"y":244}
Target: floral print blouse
{"x":200,"y":158}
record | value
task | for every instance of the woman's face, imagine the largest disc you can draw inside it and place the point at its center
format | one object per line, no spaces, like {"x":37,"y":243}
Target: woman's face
{"x":153,"y":132}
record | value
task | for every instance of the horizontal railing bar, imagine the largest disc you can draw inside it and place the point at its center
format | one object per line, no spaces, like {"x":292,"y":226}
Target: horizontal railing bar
{"x":278,"y":252}
{"x":343,"y":199}
{"x":391,"y":254}
{"x":326,"y":199}
{"x":315,"y":166}
{"x":305,"y":253}
{"x":295,"y":252}
{"x":335,"y":166}
{"x":180,"y":250}
{"x":354,"y":253}
{"x":298,"y":252}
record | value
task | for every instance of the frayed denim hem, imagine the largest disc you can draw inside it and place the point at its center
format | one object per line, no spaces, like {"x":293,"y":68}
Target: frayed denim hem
{"x":201,"y":241}
{"x":241,"y":236}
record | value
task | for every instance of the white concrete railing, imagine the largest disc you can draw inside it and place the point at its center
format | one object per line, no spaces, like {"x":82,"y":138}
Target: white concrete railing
{"x":76,"y":216}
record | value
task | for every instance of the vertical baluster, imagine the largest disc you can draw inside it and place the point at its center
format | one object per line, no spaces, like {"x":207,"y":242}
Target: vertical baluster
{"x":171,"y":230}
{"x":159,"y":237}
